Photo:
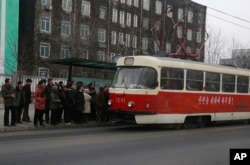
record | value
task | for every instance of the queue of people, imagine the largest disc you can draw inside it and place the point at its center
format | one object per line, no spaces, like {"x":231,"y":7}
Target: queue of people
{"x":55,"y":103}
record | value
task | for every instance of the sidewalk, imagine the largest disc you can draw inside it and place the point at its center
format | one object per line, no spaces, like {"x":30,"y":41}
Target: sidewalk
{"x":25,"y":126}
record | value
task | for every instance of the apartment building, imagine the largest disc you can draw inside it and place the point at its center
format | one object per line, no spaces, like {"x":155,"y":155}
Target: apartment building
{"x":104,"y":31}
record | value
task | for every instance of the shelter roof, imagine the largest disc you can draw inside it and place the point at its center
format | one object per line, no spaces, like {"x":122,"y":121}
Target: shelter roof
{"x":79,"y":62}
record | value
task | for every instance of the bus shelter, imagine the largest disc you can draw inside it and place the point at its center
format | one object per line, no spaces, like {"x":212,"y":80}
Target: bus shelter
{"x":79,"y":62}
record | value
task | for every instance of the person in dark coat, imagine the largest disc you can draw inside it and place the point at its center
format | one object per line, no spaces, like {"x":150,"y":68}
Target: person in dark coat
{"x":100,"y":105}
{"x":79,"y":103}
{"x":55,"y":104}
{"x":8,"y":93}
{"x":20,"y":100}
{"x":70,"y":89}
{"x":28,"y":95}
{"x":61,"y":94}
{"x":47,"y":92}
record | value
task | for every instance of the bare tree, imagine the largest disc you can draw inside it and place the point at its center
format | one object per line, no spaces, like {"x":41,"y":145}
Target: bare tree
{"x":215,"y":47}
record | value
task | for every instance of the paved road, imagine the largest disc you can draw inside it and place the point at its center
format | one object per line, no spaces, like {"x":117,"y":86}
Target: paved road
{"x":124,"y":145}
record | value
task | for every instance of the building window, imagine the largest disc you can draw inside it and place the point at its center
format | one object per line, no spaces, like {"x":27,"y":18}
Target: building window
{"x":136,"y":3}
{"x":85,"y":8}
{"x":156,"y":47}
{"x":179,"y":32}
{"x":134,"y":41}
{"x":64,"y":52}
{"x":113,"y":37}
{"x":169,"y":11}
{"x":189,"y":49}
{"x":189,"y":35}
{"x":45,"y":24}
{"x":66,"y":28}
{"x":168,"y":47}
{"x":101,"y":35}
{"x":180,"y":14}
{"x":135,"y":21}
{"x":129,"y":2}
{"x":122,"y":17}
{"x":100,"y":56}
{"x":145,"y":23}
{"x":128,"y":19}
{"x":144,"y":43}
{"x":85,"y":54}
{"x":67,"y":5}
{"x":44,"y":49}
{"x":127,"y":41}
{"x":121,"y":41}
{"x":113,"y":57}
{"x":43,"y":72}
{"x":114,"y":15}
{"x":190,"y":17}
{"x":102,"y":13}
{"x":198,"y":37}
{"x":84,"y":32}
{"x":158,"y":7}
{"x":123,"y":1}
{"x":46,"y":2}
{"x":63,"y":74}
{"x":200,"y":18}
{"x":146,"y":5}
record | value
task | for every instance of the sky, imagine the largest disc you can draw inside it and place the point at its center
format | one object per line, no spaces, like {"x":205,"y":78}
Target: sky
{"x":236,"y":8}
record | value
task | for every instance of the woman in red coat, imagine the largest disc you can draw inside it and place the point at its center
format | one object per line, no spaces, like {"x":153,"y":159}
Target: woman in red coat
{"x":40,"y":101}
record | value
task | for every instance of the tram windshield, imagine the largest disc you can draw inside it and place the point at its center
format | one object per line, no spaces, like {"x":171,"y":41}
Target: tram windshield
{"x":135,"y":77}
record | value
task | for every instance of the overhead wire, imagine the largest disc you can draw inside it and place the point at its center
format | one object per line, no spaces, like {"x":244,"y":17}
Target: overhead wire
{"x":230,"y":22}
{"x":225,"y":20}
{"x":229,"y":14}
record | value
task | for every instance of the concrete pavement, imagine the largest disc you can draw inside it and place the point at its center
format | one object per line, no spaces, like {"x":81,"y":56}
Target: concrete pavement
{"x":29,"y":125}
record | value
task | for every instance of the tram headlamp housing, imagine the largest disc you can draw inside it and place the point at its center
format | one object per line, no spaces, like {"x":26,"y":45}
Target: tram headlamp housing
{"x":130,"y":104}
{"x":109,"y":102}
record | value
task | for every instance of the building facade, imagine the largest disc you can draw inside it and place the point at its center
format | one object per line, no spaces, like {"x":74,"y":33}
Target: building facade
{"x":9,"y":13}
{"x":106,"y":30}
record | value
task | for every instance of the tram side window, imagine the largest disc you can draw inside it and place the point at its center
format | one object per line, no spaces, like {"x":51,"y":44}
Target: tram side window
{"x":242,"y":84}
{"x":172,"y":78}
{"x":194,"y":80}
{"x":212,"y":82}
{"x":228,"y":83}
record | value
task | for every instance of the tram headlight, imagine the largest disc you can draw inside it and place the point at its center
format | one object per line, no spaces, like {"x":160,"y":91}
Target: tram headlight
{"x":109,"y":102}
{"x":130,"y":104}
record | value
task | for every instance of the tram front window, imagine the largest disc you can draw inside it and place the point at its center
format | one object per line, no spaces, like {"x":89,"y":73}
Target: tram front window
{"x":135,"y":77}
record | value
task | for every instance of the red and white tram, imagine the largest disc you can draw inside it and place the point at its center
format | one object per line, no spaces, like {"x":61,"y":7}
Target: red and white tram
{"x":160,"y":90}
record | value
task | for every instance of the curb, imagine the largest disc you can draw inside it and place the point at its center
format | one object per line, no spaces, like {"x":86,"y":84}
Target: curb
{"x":31,"y":127}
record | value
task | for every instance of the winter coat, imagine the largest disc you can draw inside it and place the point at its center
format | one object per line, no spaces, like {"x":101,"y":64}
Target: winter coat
{"x":79,"y":100}
{"x":40,"y":98}
{"x":20,"y":97}
{"x":69,"y":98}
{"x":7,"y":92}
{"x":55,"y":102}
{"x":92,"y":93}
{"x":27,"y":91}
{"x":47,"y":92}
{"x":100,"y":100}
{"x":87,"y":99}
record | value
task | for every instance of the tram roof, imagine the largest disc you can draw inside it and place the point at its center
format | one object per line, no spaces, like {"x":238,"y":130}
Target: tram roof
{"x":79,"y":62}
